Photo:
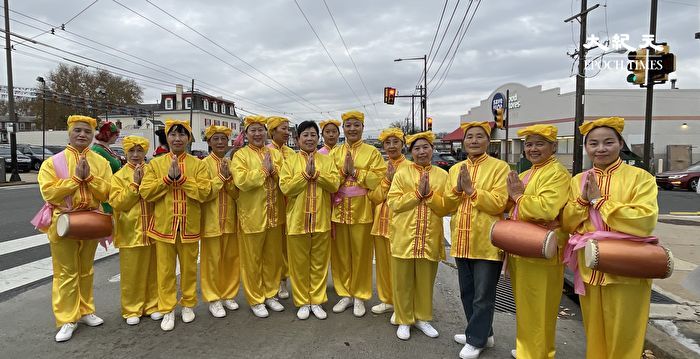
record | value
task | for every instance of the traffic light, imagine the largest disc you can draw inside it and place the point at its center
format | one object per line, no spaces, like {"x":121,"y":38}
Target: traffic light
{"x":389,"y":95}
{"x":661,"y":64}
{"x":638,"y":66}
{"x":498,"y":117}
{"x":430,"y":123}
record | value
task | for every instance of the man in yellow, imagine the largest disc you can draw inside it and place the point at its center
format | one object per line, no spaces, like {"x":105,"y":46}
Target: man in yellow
{"x":330,"y":135}
{"x":75,"y":179}
{"x":393,"y":141}
{"x":261,"y":211}
{"x":220,"y":273}
{"x":307,"y":180}
{"x":417,"y":200}
{"x":177,"y":184}
{"x":477,"y":195}
{"x":278,"y":128}
{"x":361,"y":168}
{"x":137,"y":255}
{"x":538,"y":195}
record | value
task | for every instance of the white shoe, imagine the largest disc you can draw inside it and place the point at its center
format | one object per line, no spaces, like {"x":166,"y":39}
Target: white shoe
{"x":91,"y":320}
{"x":156,"y":315}
{"x":168,"y":322}
{"x":230,"y":304}
{"x":490,"y":342}
{"x":512,"y":353}
{"x":274,"y":304}
{"x":359,"y":308}
{"x":133,"y":320}
{"x":283,"y":293}
{"x":404,"y":332}
{"x":392,"y":320}
{"x":343,"y":304}
{"x":318,"y":311}
{"x":382,"y":308}
{"x":462,"y":339}
{"x":260,"y":311}
{"x":426,"y":328}
{"x":469,"y":352}
{"x":303,"y":312}
{"x":187,"y":314}
{"x":66,"y":332}
{"x":217,"y":310}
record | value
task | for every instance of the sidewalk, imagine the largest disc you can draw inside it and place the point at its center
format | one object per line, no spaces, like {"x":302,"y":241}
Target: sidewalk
{"x":27,"y":178}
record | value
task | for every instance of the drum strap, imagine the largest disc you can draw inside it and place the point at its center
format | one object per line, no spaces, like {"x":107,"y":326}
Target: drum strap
{"x":42,"y":219}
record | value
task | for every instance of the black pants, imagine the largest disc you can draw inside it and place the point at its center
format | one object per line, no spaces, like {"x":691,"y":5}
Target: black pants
{"x":477,"y":287}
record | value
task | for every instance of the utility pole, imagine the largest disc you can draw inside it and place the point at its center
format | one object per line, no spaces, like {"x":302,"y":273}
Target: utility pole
{"x":425,"y":88}
{"x":413,"y":116}
{"x":506,"y":123}
{"x":422,"y":108}
{"x":650,"y":91}
{"x":14,"y":177}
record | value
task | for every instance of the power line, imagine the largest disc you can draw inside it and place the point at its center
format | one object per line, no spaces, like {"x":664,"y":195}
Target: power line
{"x":437,"y":31}
{"x":79,"y":13}
{"x":457,"y":34}
{"x":447,"y":28}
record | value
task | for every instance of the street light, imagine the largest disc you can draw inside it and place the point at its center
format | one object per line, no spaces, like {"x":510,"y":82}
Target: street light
{"x":101,"y":91}
{"x":425,"y":86}
{"x":43,"y":117}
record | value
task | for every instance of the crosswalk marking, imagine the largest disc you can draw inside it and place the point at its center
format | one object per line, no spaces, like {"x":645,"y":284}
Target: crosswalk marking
{"x":23,"y":243}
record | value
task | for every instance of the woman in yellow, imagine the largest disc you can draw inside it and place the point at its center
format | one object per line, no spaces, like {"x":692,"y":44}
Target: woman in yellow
{"x":417,"y":245}
{"x":177,"y":184}
{"x":330,"y":135}
{"x":393,"y":141}
{"x":307,"y":180}
{"x":539,"y":195}
{"x":220,"y":268}
{"x":615,"y":308}
{"x":477,"y":195}
{"x":361,"y":168}
{"x":137,"y":257}
{"x":261,"y":217}
{"x":74,"y":179}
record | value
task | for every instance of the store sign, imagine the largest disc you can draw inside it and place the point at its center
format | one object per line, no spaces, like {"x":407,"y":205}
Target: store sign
{"x":513,"y":101}
{"x":497,"y":102}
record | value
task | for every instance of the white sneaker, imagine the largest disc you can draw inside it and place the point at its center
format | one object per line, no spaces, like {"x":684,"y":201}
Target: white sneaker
{"x":66,"y":332}
{"x":318,"y":311}
{"x":462,"y":339}
{"x":392,"y":320}
{"x":283,"y":293}
{"x":168,"y":322}
{"x":230,"y":304}
{"x":382,"y":308}
{"x":303,"y":312}
{"x":156,"y":315}
{"x":404,"y":332}
{"x":187,"y":314}
{"x":260,"y":311}
{"x":512,"y":353}
{"x":91,"y":320}
{"x":469,"y":352}
{"x":133,"y":320}
{"x":426,"y":328}
{"x":359,"y":308}
{"x":217,"y":310}
{"x":490,"y":342}
{"x":343,"y":304}
{"x":274,"y":304}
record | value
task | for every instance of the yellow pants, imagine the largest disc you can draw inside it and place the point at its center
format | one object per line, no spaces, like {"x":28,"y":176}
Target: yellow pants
{"x":351,"y":260}
{"x":413,"y":281}
{"x":382,"y":269}
{"x":71,"y":295}
{"x":261,"y":264}
{"x":285,"y":257}
{"x":186,"y":254}
{"x":309,"y":255}
{"x":139,"y":285}
{"x":537,"y":288}
{"x":220,"y":267}
{"x":615,"y":319}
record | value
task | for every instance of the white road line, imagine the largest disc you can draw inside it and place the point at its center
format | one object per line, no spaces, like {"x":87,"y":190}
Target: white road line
{"x":18,"y":187}
{"x":23,"y":243}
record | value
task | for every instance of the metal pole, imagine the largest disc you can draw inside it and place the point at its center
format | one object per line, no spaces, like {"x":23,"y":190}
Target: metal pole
{"x":650,"y":92}
{"x":14,"y":177}
{"x":413,"y":115}
{"x":580,"y":93}
{"x":43,"y":121}
{"x":425,"y":88}
{"x":422,"y":118}
{"x":505,"y":125}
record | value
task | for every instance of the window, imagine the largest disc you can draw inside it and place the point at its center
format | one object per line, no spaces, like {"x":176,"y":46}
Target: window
{"x":217,"y":122}
{"x":188,"y":103}
{"x":207,"y":122}
{"x":223,"y":108}
{"x":230,"y":110}
{"x":215,"y":106}
{"x":565,"y":145}
{"x":206,"y":104}
{"x":224,"y":123}
{"x":168,"y":103}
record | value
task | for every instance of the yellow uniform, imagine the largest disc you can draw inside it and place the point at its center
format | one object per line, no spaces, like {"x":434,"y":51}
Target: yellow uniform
{"x":286,"y":153}
{"x":351,"y":250}
{"x":137,"y":255}
{"x":71,"y":296}
{"x":615,"y":308}
{"x":308,"y":224}
{"x":537,"y":283}
{"x":417,"y":240}
{"x":220,"y":268}
{"x":261,"y":216}
{"x":176,"y":224}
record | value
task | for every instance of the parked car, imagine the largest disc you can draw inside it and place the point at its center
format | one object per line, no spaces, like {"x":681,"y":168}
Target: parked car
{"x":436,"y":161}
{"x":120,"y":152}
{"x":35,"y":154}
{"x":451,"y":160}
{"x":200,"y":154}
{"x":24,"y":163}
{"x":55,"y":149}
{"x":684,"y":179}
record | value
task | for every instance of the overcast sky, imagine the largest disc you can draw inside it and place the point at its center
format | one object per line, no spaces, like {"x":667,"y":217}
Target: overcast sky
{"x":508,"y":41}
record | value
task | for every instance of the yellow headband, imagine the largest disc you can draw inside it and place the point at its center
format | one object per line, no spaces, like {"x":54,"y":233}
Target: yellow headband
{"x":211,"y":130}
{"x":249,"y":120}
{"x":329,"y":122}
{"x":72,"y":119}
{"x":549,"y":132}
{"x":616,"y":123}
{"x":275,"y":121}
{"x":391,"y":131}
{"x":169,"y":123}
{"x":485,"y":125}
{"x":427,"y":135}
{"x":354,"y":115}
{"x":130,"y":142}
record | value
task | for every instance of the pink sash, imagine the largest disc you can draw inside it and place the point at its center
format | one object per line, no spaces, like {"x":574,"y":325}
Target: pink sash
{"x":42,"y":219}
{"x":348,"y":192}
{"x":323,"y":150}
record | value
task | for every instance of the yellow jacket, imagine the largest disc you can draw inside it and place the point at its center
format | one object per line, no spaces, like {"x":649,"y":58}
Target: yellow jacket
{"x":472,"y":216}
{"x":382,"y":213}
{"x":285,"y":150}
{"x":417,"y":221}
{"x":219,"y":211}
{"x":85,"y":194}
{"x":370,"y":168}
{"x":260,"y":201}
{"x":178,"y":204}
{"x":131,"y":211}
{"x":628,"y":204}
{"x":309,"y":201}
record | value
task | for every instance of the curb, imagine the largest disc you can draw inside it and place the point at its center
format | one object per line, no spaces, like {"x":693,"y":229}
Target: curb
{"x":665,"y":346}
{"x":20,"y":183}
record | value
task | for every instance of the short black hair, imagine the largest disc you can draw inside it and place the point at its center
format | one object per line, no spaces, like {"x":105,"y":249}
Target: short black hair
{"x":617,"y":134}
{"x":180,"y":129}
{"x":305,"y":126}
{"x":162,"y":139}
{"x":410,"y":147}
